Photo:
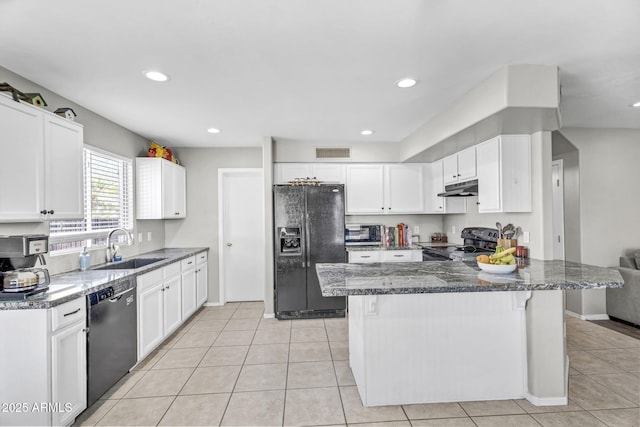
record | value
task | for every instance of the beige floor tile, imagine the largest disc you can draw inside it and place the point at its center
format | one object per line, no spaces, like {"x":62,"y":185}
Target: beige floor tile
{"x":91,"y":416}
{"x":242,"y":325}
{"x":224,"y":356}
{"x":136,"y":412}
{"x":212,"y":379}
{"x":150,"y":360}
{"x":234,"y":338}
{"x":308,"y":335}
{"x":272,"y":336}
{"x":344,"y":375}
{"x":618,"y":340}
{"x":208,"y":325}
{"x":533,"y":409}
{"x":491,"y":407}
{"x":123,"y":386}
{"x":311,"y":374}
{"x":592,"y":396}
{"x":307,"y":323}
{"x":339,"y":350}
{"x":273,"y":323}
{"x":252,"y":304}
{"x":506,"y":421}
{"x":356,"y":413}
{"x":586,"y":363}
{"x":337,"y":334}
{"x":568,"y":419}
{"x":622,"y":358}
{"x":262,"y":377}
{"x":196,"y":339}
{"x":313,"y":406}
{"x":336,"y":322}
{"x":619,"y":417}
{"x":248,"y":313}
{"x":434,"y":410}
{"x":217,"y":315}
{"x":161,"y":382}
{"x":309,"y":352}
{"x":383,"y":424}
{"x":198,"y":410}
{"x":170,"y":341}
{"x":627,"y":386}
{"x":574,"y":372}
{"x":586,"y":341}
{"x":444,"y":422}
{"x":261,"y":408}
{"x":268,"y":353}
{"x":181,"y":358}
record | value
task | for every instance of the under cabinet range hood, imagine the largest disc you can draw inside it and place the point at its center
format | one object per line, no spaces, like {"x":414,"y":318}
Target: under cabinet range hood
{"x":461,"y":189}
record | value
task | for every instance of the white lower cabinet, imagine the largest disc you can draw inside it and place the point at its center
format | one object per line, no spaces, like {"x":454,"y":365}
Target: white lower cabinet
{"x":45,"y":368}
{"x":394,"y":255}
{"x":189,"y":290}
{"x":202,"y":279}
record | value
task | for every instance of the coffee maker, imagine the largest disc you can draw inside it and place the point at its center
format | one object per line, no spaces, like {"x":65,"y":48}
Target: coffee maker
{"x":18,"y":257}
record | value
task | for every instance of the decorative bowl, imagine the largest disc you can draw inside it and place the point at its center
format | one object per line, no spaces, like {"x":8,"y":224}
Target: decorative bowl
{"x":497,"y":268}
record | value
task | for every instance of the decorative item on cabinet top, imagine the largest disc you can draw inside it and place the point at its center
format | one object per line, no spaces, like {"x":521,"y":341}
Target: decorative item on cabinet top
{"x":15,"y":93}
{"x":156,"y":150}
{"x":305,"y":181}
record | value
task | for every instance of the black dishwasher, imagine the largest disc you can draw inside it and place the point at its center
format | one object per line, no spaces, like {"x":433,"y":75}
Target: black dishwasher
{"x":111,"y":342}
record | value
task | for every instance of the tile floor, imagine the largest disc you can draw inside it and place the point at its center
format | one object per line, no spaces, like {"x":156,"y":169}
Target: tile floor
{"x":229,"y":366}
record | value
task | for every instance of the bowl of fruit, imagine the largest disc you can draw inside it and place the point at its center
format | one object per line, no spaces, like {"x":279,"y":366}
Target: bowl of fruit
{"x":501,"y":261}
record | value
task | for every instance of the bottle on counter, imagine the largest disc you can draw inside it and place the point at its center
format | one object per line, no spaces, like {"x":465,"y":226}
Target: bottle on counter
{"x":85,"y":260}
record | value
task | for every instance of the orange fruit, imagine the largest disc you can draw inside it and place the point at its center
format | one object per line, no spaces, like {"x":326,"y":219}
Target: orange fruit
{"x":484,"y":259}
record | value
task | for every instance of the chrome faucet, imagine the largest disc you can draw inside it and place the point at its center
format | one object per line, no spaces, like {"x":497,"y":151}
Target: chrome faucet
{"x":112,"y":249}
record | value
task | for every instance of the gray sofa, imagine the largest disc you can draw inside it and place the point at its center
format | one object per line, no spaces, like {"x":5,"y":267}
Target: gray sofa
{"x":624,"y":303}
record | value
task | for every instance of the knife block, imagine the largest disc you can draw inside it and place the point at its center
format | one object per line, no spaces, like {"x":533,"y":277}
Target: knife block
{"x":507,"y":243}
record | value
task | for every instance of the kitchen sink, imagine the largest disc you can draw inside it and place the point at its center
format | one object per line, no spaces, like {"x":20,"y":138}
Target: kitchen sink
{"x":130,"y":264}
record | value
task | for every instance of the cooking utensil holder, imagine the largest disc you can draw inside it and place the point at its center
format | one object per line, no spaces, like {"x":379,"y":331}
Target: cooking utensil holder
{"x":507,"y":243}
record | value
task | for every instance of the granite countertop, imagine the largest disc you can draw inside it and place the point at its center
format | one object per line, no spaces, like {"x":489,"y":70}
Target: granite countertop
{"x":72,"y":285}
{"x":382,"y":248}
{"x":460,"y":276}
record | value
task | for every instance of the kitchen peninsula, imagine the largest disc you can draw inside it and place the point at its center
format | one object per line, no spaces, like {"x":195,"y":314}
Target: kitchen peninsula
{"x":443,"y":331}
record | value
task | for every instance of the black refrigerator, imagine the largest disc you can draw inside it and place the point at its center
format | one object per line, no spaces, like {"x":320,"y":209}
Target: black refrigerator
{"x":309,"y":229}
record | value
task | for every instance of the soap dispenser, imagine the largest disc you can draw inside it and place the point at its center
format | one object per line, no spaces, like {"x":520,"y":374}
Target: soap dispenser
{"x":85,"y":260}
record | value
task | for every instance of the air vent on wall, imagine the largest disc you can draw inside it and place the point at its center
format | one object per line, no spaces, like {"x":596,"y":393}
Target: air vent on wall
{"x":333,"y":153}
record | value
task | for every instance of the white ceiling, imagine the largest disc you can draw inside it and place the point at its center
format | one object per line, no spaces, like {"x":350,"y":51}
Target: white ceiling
{"x":317,"y":70}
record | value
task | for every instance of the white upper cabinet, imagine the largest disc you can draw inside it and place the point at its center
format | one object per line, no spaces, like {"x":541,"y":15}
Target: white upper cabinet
{"x":333,"y":173}
{"x":44,"y":167}
{"x":434,"y":184}
{"x":460,"y":167}
{"x":384,"y":188}
{"x":161,"y":191}
{"x":504,"y":174}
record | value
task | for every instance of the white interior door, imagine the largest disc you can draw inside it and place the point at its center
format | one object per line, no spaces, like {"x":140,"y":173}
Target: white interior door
{"x":242,"y":255}
{"x":558,"y":208}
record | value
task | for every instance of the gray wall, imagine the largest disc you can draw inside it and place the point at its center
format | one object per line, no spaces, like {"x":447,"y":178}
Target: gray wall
{"x":100,"y":133}
{"x":200,"y":227}
{"x":291,"y":151}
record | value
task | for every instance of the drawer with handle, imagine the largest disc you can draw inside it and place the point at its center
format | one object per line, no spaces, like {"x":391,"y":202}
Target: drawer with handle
{"x":68,"y":313}
{"x":401,"y":256}
{"x":364,"y":257}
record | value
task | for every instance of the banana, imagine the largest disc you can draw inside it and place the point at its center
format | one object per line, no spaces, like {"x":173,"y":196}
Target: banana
{"x":503,"y":253}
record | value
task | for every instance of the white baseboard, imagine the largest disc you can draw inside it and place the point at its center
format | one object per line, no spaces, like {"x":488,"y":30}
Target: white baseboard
{"x":586,"y":316}
{"x":269,"y":315}
{"x":213,"y":304}
{"x":546,"y":401}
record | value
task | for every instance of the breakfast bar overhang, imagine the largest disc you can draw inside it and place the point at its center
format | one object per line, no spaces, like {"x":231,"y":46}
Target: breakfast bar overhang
{"x":426,"y":332}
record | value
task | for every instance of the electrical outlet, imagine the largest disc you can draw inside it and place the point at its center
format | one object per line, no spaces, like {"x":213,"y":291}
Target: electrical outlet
{"x":416,"y":229}
{"x":453,"y":229}
{"x":526,"y":237}
{"x":148,"y":235}
{"x":139,"y":237}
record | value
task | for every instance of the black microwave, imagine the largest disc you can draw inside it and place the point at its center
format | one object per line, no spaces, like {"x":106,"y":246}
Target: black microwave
{"x":363,"y":235}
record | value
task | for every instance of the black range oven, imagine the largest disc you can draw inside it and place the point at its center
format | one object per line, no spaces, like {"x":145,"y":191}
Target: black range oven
{"x":476,"y":240}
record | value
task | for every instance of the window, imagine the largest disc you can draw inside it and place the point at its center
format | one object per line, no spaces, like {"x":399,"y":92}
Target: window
{"x":108,"y":204}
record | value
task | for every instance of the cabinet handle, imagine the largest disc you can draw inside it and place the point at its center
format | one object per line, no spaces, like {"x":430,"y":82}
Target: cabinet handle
{"x":177,"y":213}
{"x":51,"y":212}
{"x":458,"y":174}
{"x":190,"y":262}
{"x":382,"y":208}
{"x":365,"y":256}
{"x":73,"y":312}
{"x":477,"y":203}
{"x":167,"y":287}
{"x":454,"y":176}
{"x":162,"y":289}
{"x":43,"y":211}
{"x":399,"y":256}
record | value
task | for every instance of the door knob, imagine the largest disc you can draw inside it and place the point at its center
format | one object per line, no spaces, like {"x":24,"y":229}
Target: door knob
{"x":228,"y":243}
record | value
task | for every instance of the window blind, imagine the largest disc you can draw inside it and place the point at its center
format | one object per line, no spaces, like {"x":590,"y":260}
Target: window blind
{"x":108,"y":190}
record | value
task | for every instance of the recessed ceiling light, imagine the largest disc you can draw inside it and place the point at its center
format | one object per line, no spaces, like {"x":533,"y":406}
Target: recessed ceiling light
{"x":637,"y":104}
{"x":156,"y":76}
{"x":213,"y":130}
{"x":367,"y":132}
{"x":405,"y":83}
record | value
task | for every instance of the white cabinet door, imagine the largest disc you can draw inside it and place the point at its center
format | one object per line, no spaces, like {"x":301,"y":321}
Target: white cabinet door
{"x":329,"y":172}
{"x":489,"y":179}
{"x":69,"y":372}
{"x":172,"y":304}
{"x":169,"y":182}
{"x":180,"y":191}
{"x":286,"y":172}
{"x":467,"y":164}
{"x":188,"y":286}
{"x":403,"y":189}
{"x":63,"y":168}
{"x":202,"y":278}
{"x":450,"y":169}
{"x":160,"y":189}
{"x":22,"y":171}
{"x":435,"y":185}
{"x":150,"y":318}
{"x":365,"y":189}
